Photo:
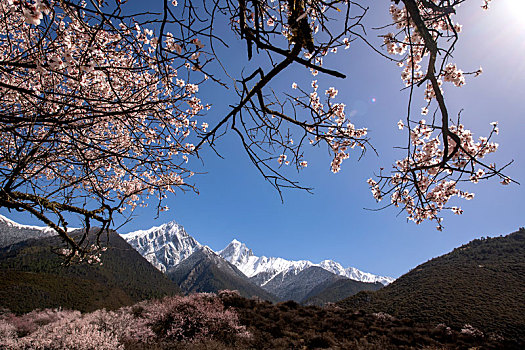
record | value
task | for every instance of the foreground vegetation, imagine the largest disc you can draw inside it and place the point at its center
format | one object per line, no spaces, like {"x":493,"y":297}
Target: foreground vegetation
{"x":229,"y":321}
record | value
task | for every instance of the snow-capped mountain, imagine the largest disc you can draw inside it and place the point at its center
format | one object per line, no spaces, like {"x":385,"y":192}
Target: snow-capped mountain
{"x":164,"y":246}
{"x":12,"y":232}
{"x":167,"y":245}
{"x":353,"y":273}
{"x":205,"y":271}
{"x":263,"y":269}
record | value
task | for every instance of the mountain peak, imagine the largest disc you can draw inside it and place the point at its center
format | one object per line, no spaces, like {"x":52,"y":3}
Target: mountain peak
{"x":168,"y":244}
{"x":171,"y":225}
{"x":238,"y":245}
{"x":267,"y":268}
{"x":164,"y":246}
{"x":207,"y":250}
{"x":236,"y":251}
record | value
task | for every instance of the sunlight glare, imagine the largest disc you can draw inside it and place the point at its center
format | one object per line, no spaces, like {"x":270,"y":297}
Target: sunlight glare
{"x":515,"y":10}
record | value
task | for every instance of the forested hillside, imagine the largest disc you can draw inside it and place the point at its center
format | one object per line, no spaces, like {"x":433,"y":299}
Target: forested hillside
{"x":33,"y":276}
{"x":481,"y":283}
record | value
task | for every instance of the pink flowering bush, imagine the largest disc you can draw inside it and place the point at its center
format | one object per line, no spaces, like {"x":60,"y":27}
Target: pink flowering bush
{"x":30,"y":322}
{"x":177,"y":320}
{"x":192,"y":318}
{"x":69,"y":330}
{"x":472,"y":331}
{"x":7,"y":334}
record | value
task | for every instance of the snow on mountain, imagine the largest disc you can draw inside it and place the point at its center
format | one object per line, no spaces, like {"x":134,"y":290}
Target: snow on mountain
{"x":333,"y":267}
{"x":167,"y":245}
{"x":164,"y":246}
{"x":353,"y":273}
{"x":263,"y":269}
{"x":252,"y":266}
{"x":12,"y":232}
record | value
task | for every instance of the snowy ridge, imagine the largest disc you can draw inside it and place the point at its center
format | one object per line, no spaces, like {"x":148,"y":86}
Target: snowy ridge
{"x":164,"y":246}
{"x":264,"y":269}
{"x":167,"y":245}
{"x":12,"y":232}
{"x":243,"y":258}
{"x":353,"y":273}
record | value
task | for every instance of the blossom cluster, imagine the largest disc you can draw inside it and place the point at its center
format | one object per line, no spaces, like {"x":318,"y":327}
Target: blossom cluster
{"x":454,"y":75}
{"x":91,"y":255}
{"x":438,"y":155}
{"x":337,"y":131}
{"x":90,"y":109}
{"x":412,"y":46}
{"x":486,"y":4}
{"x":420,"y":184}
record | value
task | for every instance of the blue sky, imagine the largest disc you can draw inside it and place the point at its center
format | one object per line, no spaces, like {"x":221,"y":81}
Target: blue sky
{"x":235,"y":201}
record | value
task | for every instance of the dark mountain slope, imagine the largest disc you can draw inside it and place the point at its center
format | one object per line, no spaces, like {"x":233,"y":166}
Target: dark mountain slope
{"x":12,"y":232}
{"x":22,"y":291}
{"x":124,"y":278}
{"x":205,"y":271}
{"x":335,"y":290}
{"x":289,"y":286}
{"x":481,"y":283}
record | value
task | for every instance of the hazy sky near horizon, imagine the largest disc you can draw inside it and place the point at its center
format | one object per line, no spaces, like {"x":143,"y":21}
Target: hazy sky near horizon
{"x":332,"y":223}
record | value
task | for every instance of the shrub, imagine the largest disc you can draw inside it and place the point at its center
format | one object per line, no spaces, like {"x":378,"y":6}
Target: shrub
{"x":190,"y":319}
{"x":193,"y":318}
{"x":70,"y":332}
{"x":30,"y":322}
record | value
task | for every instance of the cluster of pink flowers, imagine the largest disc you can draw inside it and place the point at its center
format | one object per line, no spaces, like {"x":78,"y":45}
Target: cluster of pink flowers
{"x":179,"y":319}
{"x":33,"y":12}
{"x":413,"y":45}
{"x":340,"y":135}
{"x":108,"y":117}
{"x":471,"y":330}
{"x":331,"y":92}
{"x":454,"y":75}
{"x":423,"y":189}
{"x":486,"y":4}
{"x":91,"y":255}
{"x":282,"y":159}
{"x":426,"y":179}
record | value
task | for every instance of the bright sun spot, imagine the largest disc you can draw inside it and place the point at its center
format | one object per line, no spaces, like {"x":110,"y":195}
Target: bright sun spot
{"x":515,"y":9}
{"x":519,"y":5}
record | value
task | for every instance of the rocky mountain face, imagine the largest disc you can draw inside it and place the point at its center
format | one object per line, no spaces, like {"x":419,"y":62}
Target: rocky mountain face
{"x":169,"y":248}
{"x":205,"y":271}
{"x":12,"y":232}
{"x":263,"y":269}
{"x":164,"y":246}
{"x":354,"y":274}
{"x":290,"y":286}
